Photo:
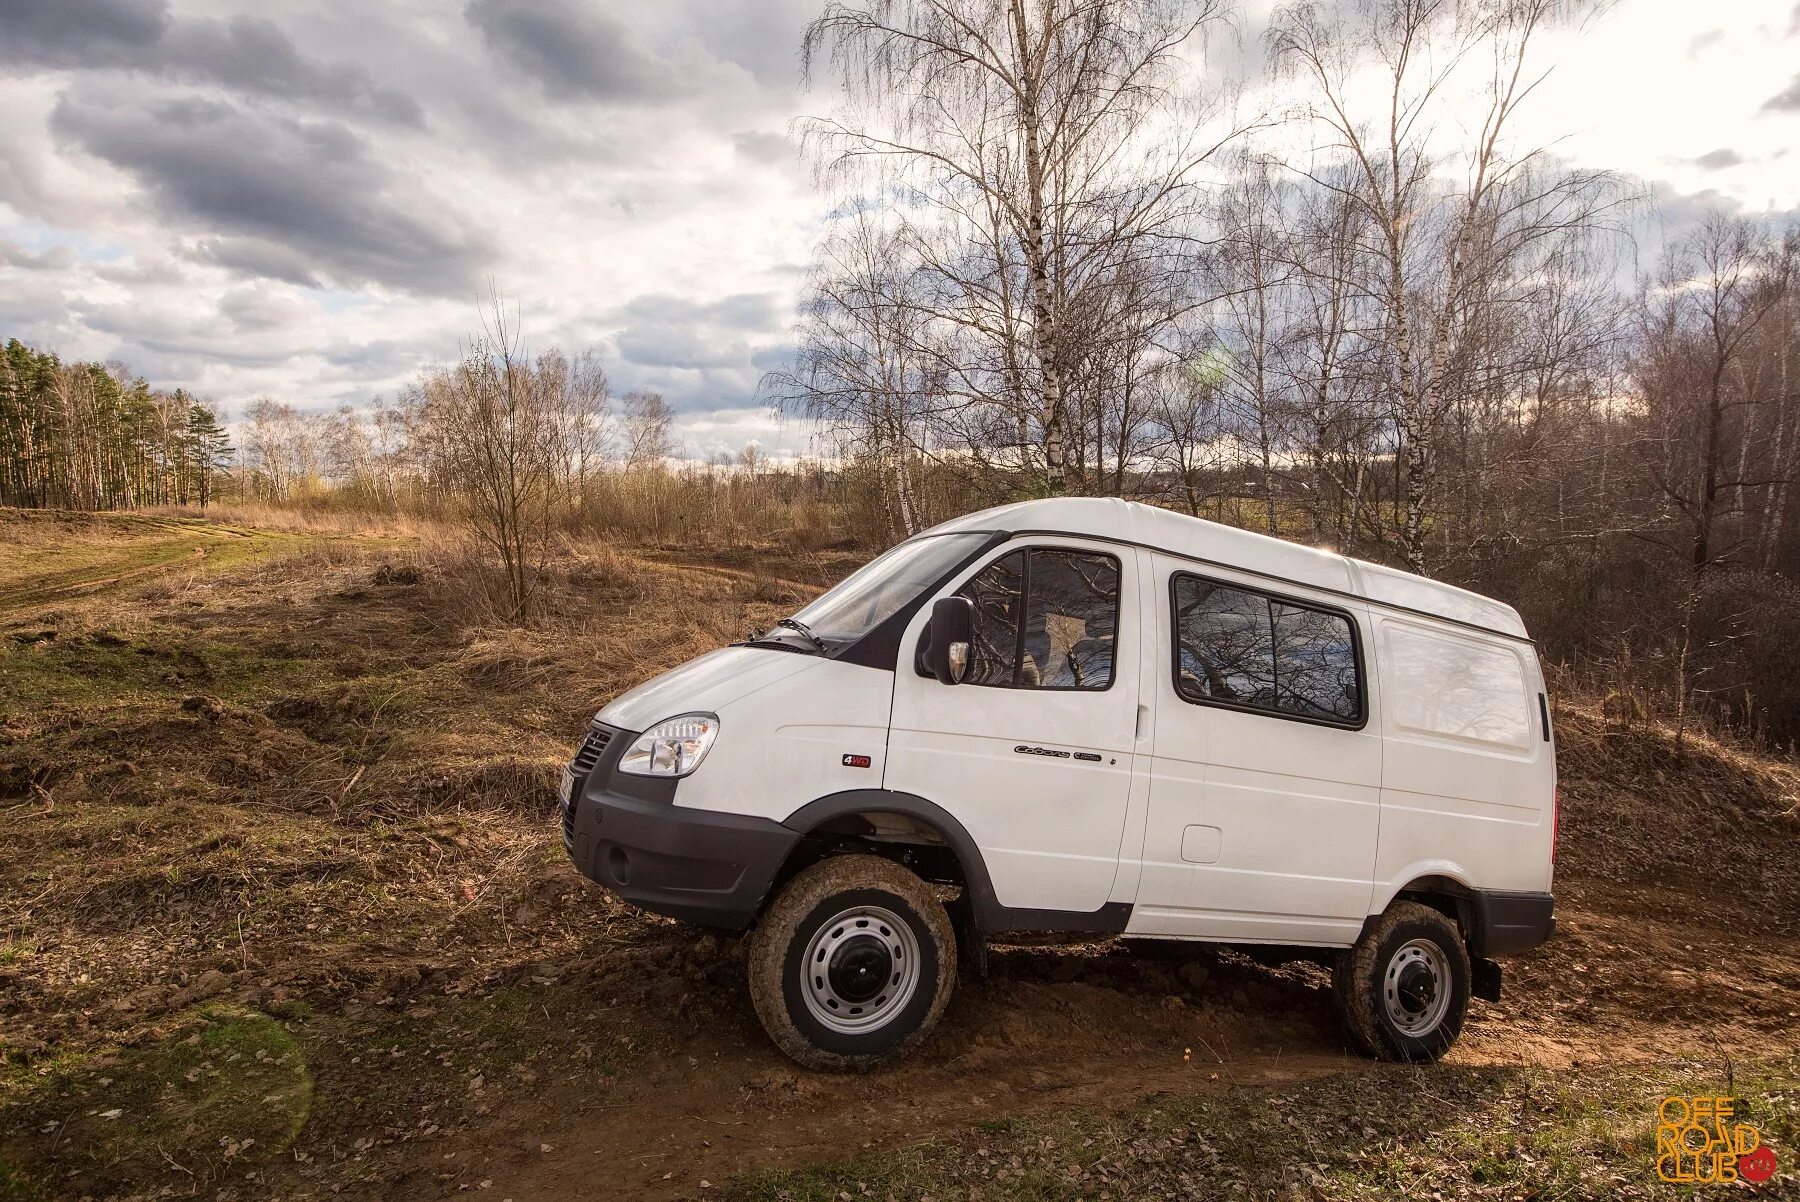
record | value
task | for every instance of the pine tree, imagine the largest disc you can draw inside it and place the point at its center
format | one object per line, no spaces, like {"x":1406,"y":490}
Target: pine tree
{"x":208,"y":451}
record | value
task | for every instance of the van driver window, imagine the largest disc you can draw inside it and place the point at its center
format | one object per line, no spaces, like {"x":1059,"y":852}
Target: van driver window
{"x":1246,"y":649}
{"x":1044,"y":619}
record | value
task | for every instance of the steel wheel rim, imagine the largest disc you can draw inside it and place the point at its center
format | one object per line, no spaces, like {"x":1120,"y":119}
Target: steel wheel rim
{"x":1416,"y":988}
{"x":861,"y":968}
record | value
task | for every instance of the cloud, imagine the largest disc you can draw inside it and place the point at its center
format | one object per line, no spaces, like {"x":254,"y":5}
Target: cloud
{"x":576,"y":52}
{"x":713,"y":434}
{"x":1785,"y":101}
{"x":1713,"y":160}
{"x":1673,"y":214}
{"x":773,"y":358}
{"x":663,"y":330}
{"x":56,"y":258}
{"x":252,"y":54}
{"x":254,"y":309}
{"x":258,"y":258}
{"x":1705,"y":41}
{"x":663,"y":345}
{"x":771,"y":150}
{"x":762,"y":37}
{"x":244,"y":53}
{"x":296,"y":200}
{"x":79,"y":33}
{"x":742,"y":311}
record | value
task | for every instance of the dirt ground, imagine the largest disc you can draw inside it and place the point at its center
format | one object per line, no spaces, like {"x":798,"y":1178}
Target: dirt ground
{"x":283,"y":913}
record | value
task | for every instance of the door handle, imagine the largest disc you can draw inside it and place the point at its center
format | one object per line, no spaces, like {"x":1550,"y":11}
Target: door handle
{"x":1143,"y":719}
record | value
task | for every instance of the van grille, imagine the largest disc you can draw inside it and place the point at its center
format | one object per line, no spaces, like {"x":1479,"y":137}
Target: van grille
{"x":592,"y":747}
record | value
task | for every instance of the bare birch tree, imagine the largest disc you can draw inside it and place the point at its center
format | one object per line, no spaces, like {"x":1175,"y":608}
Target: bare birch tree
{"x":1030,"y":127}
{"x":1452,"y":213}
{"x":648,"y":428}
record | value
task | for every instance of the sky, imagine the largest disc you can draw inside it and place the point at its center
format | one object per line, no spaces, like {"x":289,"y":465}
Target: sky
{"x":308,"y":199}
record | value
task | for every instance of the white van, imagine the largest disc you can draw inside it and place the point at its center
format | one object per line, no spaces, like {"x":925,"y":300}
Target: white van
{"x":1090,"y":715}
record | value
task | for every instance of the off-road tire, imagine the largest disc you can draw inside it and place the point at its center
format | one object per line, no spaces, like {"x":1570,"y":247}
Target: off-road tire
{"x":804,"y":906}
{"x":1359,"y":979}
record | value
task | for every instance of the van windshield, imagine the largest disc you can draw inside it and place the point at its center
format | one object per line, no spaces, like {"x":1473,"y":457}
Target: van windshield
{"x":876,"y":591}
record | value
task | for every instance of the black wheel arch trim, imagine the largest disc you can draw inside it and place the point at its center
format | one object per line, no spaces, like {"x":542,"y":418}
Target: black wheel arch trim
{"x":1495,"y":922}
{"x":991,"y":915}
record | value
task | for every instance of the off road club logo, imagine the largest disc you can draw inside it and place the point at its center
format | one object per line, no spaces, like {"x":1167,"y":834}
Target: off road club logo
{"x":1697,"y":1143}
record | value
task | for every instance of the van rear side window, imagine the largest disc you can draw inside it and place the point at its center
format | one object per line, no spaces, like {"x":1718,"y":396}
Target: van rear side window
{"x":1250,"y":650}
{"x":1455,"y":687}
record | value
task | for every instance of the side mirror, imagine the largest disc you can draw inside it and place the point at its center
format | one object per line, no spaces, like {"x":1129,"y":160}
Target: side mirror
{"x":947,"y":638}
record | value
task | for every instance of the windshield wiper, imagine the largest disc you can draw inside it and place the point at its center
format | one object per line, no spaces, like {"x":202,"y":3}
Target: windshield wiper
{"x":806,"y":633}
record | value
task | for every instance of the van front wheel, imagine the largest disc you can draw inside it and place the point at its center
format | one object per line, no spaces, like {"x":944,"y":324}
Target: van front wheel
{"x":1403,"y":988}
{"x":852,"y":964}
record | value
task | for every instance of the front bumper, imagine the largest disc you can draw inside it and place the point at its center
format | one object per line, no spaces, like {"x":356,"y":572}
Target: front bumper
{"x":626,"y":832}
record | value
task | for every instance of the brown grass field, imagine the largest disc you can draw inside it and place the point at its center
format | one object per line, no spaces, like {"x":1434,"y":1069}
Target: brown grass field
{"x":284,"y":914}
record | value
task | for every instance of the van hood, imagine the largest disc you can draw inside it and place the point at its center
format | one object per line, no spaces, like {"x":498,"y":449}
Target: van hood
{"x":704,"y":685}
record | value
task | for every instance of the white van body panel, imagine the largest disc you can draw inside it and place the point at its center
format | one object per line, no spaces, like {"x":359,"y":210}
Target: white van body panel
{"x":1470,"y":771}
{"x":785,"y":739}
{"x":704,"y":685}
{"x":1394,"y":587}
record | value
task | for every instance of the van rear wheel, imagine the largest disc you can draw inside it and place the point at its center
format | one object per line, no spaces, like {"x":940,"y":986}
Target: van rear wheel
{"x":852,"y":964}
{"x":1403,"y":988}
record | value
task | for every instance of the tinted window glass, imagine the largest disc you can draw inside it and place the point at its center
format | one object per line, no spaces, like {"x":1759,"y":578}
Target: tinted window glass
{"x":1315,"y":663}
{"x":1045,"y":619}
{"x":998,"y":592}
{"x":1071,"y":619}
{"x":1244,"y":648}
{"x":1224,"y":635}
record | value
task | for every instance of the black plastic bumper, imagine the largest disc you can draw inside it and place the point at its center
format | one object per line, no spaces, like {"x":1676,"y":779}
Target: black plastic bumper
{"x":1506,"y":922}
{"x":627,"y":834}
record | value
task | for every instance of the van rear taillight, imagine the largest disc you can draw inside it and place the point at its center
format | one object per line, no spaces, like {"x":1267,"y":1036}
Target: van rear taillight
{"x":1555,"y":818}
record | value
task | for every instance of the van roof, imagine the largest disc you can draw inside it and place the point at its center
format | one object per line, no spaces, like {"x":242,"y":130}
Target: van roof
{"x":1244,"y":550}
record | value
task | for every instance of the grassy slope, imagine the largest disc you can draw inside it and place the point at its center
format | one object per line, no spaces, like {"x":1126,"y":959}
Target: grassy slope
{"x":50,"y":557}
{"x":306,"y":800}
{"x":286,"y":828}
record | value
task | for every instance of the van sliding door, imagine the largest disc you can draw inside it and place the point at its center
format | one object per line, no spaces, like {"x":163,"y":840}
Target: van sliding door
{"x":1266,"y":774}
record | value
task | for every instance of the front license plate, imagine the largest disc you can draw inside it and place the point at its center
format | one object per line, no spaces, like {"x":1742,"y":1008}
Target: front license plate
{"x":565,"y":788}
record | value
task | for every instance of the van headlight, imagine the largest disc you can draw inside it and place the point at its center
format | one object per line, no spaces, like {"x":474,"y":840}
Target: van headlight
{"x":673,"y":747}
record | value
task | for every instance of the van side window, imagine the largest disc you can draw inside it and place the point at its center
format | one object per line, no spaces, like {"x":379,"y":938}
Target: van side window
{"x":1248,"y":650}
{"x":1044,"y":619}
{"x":998,"y":592}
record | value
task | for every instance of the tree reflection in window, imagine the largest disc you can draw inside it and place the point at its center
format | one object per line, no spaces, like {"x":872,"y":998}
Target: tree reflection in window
{"x":1045,"y":619}
{"x":997,"y":592}
{"x":1246,"y":649}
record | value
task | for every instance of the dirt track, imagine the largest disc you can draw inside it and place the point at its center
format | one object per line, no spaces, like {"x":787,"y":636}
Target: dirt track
{"x":1100,"y":1027}
{"x":311,"y":791}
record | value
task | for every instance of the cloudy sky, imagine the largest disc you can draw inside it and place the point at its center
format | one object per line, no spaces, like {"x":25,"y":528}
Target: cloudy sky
{"x":307,"y":198}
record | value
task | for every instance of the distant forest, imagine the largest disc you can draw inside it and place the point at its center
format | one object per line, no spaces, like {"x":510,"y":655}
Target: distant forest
{"x":88,"y":436}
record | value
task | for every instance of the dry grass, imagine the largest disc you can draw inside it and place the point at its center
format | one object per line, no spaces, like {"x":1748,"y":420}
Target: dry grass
{"x":325,"y":777}
{"x":1481,"y":1134}
{"x":1640,"y":811}
{"x":289,"y":519}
